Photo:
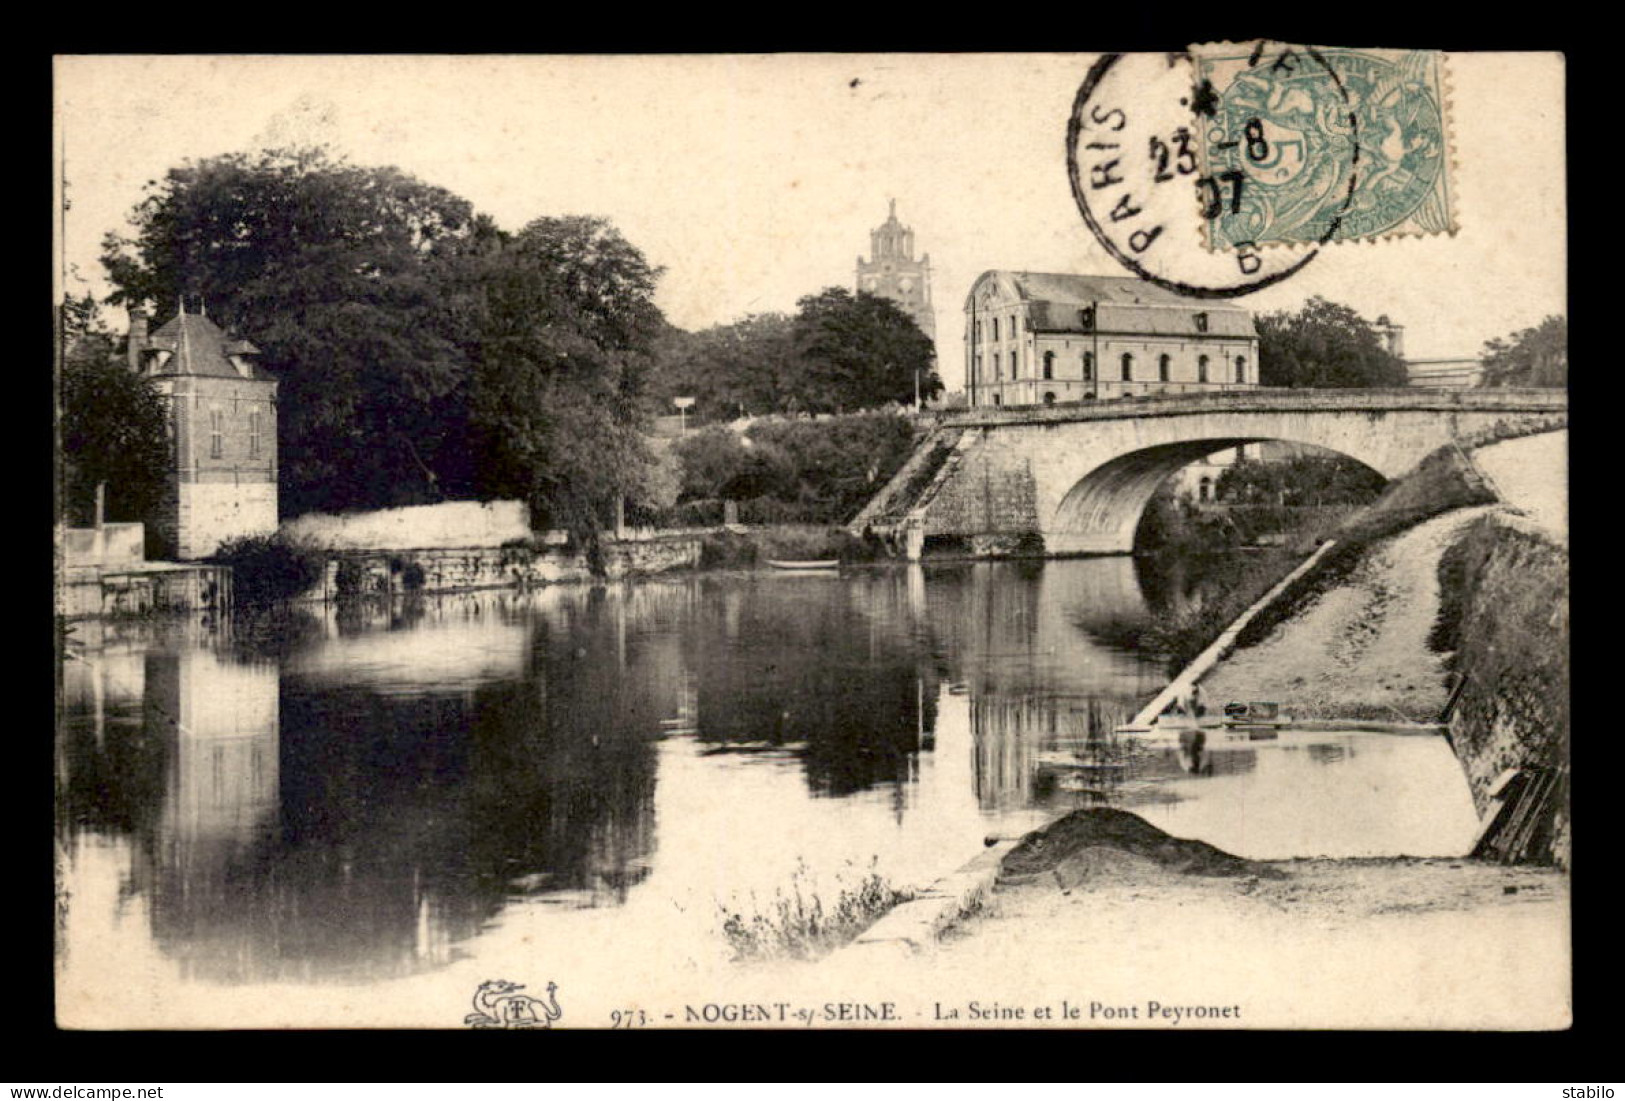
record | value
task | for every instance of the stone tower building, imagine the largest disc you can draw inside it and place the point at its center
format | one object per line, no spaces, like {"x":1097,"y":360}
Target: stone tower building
{"x":892,"y":272}
{"x":222,"y":409}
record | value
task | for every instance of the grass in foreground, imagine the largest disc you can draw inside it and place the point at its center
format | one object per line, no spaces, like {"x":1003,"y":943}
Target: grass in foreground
{"x":796,"y":923}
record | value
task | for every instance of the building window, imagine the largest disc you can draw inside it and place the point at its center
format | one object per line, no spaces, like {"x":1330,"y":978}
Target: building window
{"x":254,"y":432}
{"x":1162,"y":367}
{"x":1205,"y":490}
{"x":217,"y":433}
{"x":1128,"y":367}
{"x":1201,"y":322}
{"x":997,"y":400}
{"x":1241,"y":368}
{"x":1049,"y":398}
{"x":1012,"y":326}
{"x":1014,"y":372}
{"x":995,"y":329}
{"x":1086,"y":319}
{"x":1049,"y":364}
{"x":1201,"y":369}
{"x":1088,"y":366}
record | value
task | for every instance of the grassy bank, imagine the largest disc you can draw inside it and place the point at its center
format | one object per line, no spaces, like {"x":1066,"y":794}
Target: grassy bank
{"x":1503,"y":621}
{"x":1446,"y":480}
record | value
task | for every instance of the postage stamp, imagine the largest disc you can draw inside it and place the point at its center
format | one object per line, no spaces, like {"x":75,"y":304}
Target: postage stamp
{"x":1323,"y":145}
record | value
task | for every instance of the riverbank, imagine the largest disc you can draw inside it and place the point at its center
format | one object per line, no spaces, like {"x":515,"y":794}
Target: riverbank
{"x":1107,"y":914}
{"x":1384,"y":943}
{"x":1360,"y":651}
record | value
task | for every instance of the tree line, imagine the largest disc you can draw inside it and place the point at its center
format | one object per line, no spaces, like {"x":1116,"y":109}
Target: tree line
{"x":423,"y":353}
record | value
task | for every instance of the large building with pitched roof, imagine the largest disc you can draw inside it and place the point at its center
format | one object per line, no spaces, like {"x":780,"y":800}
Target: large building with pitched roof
{"x":1034,"y":338}
{"x":222,"y":408}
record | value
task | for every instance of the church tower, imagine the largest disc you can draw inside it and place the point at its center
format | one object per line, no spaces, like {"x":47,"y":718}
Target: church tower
{"x":892,"y":272}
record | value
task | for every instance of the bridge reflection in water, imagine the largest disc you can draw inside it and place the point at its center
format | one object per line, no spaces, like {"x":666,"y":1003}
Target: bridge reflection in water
{"x":348,"y":796}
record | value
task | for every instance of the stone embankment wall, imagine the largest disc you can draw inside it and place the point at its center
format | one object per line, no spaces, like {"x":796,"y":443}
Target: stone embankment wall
{"x":91,"y":592}
{"x":1507,"y":607}
{"x":469,"y":545}
{"x":438,"y":569}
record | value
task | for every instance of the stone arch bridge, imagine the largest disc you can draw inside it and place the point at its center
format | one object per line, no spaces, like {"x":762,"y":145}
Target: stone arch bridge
{"x":1080,"y":475}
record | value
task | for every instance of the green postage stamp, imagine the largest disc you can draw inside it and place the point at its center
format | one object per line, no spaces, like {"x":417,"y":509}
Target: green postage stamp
{"x":1306,"y":146}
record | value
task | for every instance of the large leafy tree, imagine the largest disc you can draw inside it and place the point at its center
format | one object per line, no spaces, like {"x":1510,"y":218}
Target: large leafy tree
{"x":841,"y":352}
{"x":1538,"y":356}
{"x":857,"y":352}
{"x":747,"y":367}
{"x":340,"y":275}
{"x":1324,"y":344}
{"x":561,"y":336}
{"x":113,"y":426}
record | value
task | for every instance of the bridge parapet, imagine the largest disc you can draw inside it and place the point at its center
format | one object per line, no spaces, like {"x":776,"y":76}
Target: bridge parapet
{"x":1270,"y":400}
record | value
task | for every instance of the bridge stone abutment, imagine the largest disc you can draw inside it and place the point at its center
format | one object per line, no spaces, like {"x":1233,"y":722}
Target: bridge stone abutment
{"x":1080,"y":476}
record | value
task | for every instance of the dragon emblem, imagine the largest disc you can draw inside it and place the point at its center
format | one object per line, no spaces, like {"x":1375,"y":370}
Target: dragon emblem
{"x":498,"y":1004}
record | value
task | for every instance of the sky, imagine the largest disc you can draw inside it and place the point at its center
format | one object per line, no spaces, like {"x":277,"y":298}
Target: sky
{"x":754,"y":180}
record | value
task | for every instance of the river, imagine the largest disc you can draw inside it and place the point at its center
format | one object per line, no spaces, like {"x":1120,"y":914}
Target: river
{"x":350,"y":798}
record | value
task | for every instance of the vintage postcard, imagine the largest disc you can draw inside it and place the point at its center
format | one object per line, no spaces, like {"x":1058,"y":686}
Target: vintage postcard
{"x":917,"y":541}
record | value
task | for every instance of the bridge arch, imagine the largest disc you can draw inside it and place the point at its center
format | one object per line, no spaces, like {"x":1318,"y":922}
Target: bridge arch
{"x":1103,"y":509}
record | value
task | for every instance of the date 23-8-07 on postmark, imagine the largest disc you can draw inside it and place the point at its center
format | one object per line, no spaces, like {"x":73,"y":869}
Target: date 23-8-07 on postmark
{"x":1323,"y":145}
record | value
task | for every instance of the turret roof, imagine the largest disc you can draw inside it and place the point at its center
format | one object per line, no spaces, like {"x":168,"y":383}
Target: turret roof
{"x":201,"y":348}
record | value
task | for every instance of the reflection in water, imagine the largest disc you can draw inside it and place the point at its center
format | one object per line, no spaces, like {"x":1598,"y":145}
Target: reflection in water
{"x":823,"y":667}
{"x":323,"y":795}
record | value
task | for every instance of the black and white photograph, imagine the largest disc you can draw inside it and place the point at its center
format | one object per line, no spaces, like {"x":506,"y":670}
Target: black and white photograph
{"x":812,"y":540}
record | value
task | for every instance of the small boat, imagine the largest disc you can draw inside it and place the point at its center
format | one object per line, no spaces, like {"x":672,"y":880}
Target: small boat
{"x":805,"y":564}
{"x":1254,"y":717}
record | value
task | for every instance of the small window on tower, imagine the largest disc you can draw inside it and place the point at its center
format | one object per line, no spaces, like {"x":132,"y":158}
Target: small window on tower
{"x":217,"y":433}
{"x":254,"y":432}
{"x":1201,"y":322}
{"x":1049,"y":364}
{"x":1201,"y":369}
{"x":1088,"y":366}
{"x":1086,"y":319}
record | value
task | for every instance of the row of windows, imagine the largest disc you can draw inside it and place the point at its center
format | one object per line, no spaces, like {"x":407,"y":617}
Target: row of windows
{"x":976,"y":329}
{"x":217,"y":433}
{"x":1204,"y":368}
{"x":1086,"y":322}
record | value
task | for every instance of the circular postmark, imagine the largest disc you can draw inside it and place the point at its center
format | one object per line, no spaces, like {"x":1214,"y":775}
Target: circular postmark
{"x":1156,"y":171}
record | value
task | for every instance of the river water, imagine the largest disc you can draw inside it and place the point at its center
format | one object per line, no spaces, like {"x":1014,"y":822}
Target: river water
{"x":349,"y":797}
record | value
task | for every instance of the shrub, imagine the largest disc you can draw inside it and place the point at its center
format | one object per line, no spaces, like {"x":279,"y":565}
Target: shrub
{"x":266,"y":568}
{"x":725,"y":550}
{"x":350,"y":577}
